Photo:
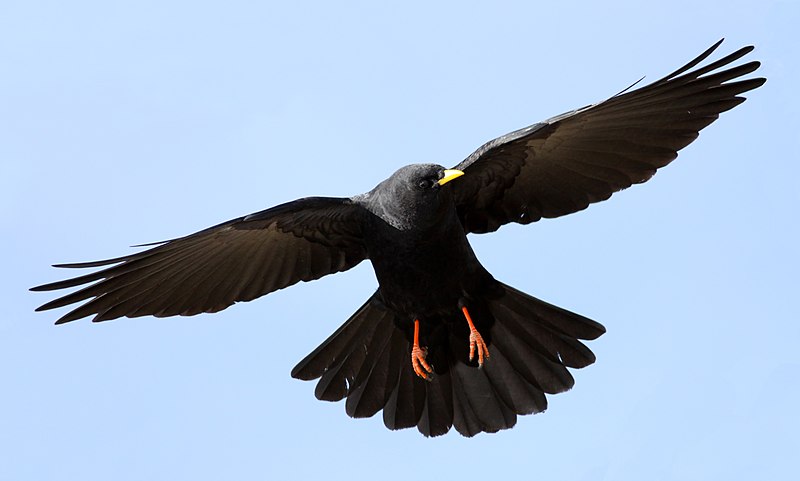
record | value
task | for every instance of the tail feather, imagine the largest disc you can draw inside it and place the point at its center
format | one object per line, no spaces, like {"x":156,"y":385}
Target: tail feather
{"x":481,"y":401}
{"x":562,"y":320}
{"x":437,"y":414}
{"x":407,"y":400}
{"x":337,"y":360}
{"x":377,"y":374}
{"x":555,"y":346}
{"x":339,"y":343}
{"x":534,"y":366}
{"x":337,"y":381}
{"x":518,"y":394}
{"x":331,"y":386}
{"x":532,"y":343}
{"x":464,"y":417}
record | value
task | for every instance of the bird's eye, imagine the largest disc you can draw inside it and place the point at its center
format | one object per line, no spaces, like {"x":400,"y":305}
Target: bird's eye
{"x":424,"y":184}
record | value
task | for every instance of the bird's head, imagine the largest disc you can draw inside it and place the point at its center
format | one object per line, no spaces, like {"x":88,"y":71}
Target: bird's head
{"x":413,"y":197}
{"x":423,"y":180}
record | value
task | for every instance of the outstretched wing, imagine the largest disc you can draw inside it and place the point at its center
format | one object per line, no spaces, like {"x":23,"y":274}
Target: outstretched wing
{"x":238,"y":260}
{"x":565,"y":163}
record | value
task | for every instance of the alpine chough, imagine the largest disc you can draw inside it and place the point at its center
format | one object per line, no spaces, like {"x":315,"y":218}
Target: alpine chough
{"x":441,"y":343}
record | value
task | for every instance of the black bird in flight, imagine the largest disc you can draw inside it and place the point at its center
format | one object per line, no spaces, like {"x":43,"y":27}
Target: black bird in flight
{"x":441,"y":343}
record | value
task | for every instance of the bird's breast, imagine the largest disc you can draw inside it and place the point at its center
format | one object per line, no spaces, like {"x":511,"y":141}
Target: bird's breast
{"x":425,"y":274}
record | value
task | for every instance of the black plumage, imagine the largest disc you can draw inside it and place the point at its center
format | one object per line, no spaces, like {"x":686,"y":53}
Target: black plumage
{"x":413,"y":228}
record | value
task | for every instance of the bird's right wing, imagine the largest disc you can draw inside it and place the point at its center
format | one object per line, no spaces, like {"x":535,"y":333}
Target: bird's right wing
{"x":207,"y":271}
{"x":563,"y":164}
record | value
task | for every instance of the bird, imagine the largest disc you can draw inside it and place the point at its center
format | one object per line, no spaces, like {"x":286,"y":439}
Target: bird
{"x":441,"y":343}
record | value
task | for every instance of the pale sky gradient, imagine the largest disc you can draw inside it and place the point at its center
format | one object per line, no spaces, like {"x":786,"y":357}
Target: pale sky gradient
{"x":130,"y":122}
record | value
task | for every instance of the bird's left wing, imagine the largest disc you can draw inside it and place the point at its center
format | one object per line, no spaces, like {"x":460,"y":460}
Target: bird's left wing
{"x":207,"y":271}
{"x":564,"y":164}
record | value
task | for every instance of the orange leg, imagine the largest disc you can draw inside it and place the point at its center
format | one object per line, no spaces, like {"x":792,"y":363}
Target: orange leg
{"x":418,"y":354}
{"x":476,"y":341}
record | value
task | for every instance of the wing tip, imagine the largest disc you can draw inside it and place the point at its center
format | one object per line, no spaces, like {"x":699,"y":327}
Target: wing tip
{"x":49,"y":305}
{"x":297,"y":373}
{"x":68,"y":317}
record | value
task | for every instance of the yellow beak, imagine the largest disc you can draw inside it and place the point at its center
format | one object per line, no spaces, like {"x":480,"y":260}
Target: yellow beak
{"x":449,"y":175}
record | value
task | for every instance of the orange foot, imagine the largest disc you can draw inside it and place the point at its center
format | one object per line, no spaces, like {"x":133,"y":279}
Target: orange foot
{"x":420,"y":365}
{"x":476,"y":342}
{"x":418,"y":362}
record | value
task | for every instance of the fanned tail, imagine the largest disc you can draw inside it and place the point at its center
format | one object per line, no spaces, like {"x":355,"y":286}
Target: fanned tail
{"x":532,"y":343}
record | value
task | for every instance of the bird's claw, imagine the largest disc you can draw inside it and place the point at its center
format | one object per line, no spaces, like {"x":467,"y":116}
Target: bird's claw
{"x":420,"y":365}
{"x":476,"y":343}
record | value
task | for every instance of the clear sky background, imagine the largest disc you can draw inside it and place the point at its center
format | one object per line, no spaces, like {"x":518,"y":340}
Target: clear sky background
{"x":130,"y":122}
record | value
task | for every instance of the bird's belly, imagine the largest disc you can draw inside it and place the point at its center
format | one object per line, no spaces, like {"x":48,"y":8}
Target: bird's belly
{"x":424,"y":280}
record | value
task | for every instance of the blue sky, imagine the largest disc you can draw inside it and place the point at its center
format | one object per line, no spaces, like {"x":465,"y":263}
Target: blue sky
{"x":130,"y":122}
